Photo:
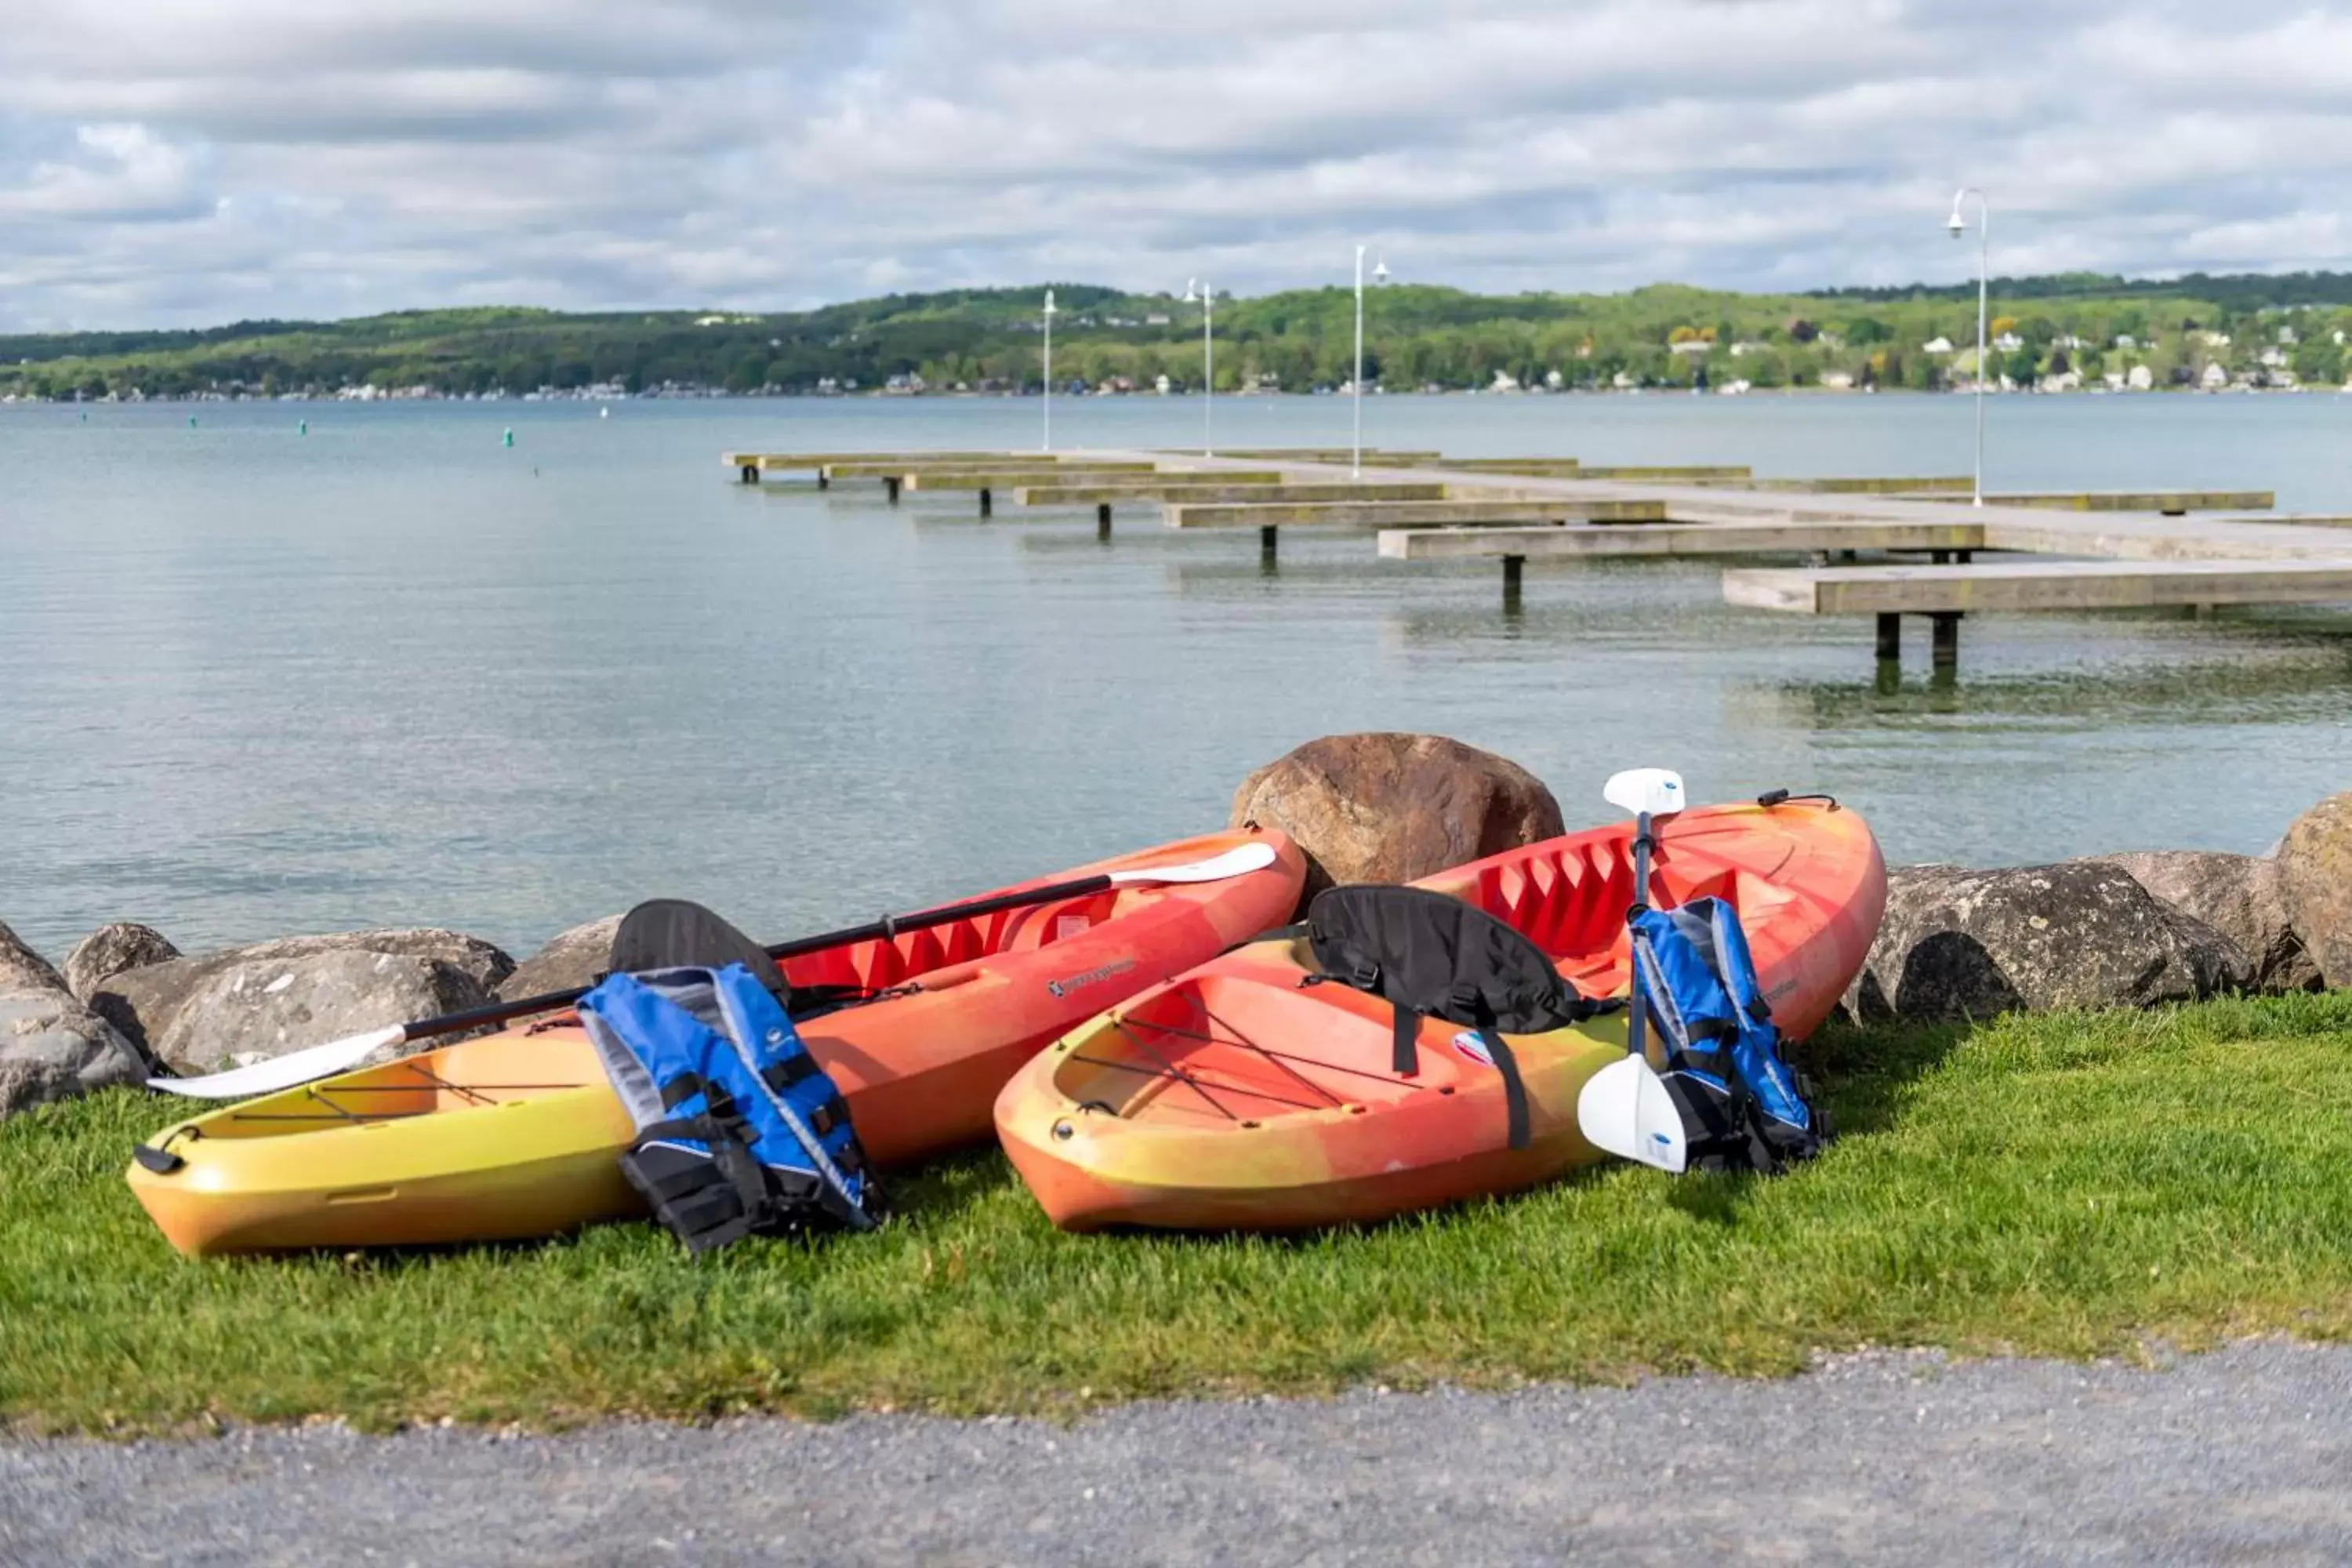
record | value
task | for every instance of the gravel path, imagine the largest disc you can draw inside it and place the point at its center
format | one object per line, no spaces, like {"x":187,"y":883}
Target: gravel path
{"x":2243,"y":1455}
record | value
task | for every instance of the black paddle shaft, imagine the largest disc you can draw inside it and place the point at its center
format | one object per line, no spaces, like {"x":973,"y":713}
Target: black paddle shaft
{"x":883,"y":929}
{"x":1637,"y":1042}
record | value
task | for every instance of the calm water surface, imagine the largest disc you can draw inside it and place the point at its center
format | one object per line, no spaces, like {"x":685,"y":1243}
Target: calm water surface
{"x":253,"y":682}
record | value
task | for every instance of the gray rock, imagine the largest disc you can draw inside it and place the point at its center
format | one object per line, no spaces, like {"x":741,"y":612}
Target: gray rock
{"x":22,"y":969}
{"x":113,"y":950}
{"x":251,"y":1011}
{"x":2243,"y":897}
{"x":146,"y":1004}
{"x":571,"y":958}
{"x":1391,"y":807}
{"x":51,"y":1046}
{"x":1958,"y":944}
{"x":2317,"y":856}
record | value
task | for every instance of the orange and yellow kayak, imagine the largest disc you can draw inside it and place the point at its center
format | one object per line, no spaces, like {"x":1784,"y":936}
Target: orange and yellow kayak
{"x":517,"y":1134}
{"x":1238,"y":1097}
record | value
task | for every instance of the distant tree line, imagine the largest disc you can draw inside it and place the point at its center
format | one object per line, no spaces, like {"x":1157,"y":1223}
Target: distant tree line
{"x":2255,"y":328}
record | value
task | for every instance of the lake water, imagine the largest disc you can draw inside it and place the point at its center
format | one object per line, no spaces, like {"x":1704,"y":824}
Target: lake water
{"x":391,"y":672}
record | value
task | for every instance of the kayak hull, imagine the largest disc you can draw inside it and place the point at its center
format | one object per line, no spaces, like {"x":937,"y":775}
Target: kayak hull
{"x":517,"y":1134}
{"x":1239,"y":1097}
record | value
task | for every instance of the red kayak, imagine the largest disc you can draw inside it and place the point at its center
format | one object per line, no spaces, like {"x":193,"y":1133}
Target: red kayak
{"x":1236,"y":1097}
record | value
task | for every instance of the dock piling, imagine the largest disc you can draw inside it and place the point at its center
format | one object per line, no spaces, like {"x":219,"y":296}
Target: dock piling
{"x":1946,"y":647}
{"x":1102,"y":519}
{"x":987,"y":501}
{"x":750,"y":473}
{"x":1513,"y":567}
{"x":1890,"y":639}
{"x":1267,"y":536}
{"x":891,"y":485}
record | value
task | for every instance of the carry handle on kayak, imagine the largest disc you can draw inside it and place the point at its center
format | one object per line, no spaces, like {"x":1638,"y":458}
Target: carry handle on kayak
{"x":298,"y":1068}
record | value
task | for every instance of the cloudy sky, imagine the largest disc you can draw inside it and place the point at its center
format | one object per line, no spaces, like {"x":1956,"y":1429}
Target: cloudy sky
{"x":190,"y":162}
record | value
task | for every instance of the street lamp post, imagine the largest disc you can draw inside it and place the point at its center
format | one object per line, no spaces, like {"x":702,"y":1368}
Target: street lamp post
{"x":1200,"y":290}
{"x":1984,"y":283}
{"x":1049,"y":372}
{"x":1355,"y":386}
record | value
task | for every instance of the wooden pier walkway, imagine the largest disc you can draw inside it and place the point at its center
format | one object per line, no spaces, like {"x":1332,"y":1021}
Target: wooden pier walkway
{"x":2055,"y":551}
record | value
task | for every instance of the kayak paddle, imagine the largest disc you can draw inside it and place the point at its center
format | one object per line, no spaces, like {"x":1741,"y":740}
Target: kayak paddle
{"x":1625,"y":1108}
{"x":297,"y":1068}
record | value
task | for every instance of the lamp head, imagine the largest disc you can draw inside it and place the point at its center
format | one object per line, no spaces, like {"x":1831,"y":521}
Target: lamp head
{"x":1192,"y":290}
{"x":1956,"y":226}
{"x":1049,"y":301}
{"x":1381,"y":271}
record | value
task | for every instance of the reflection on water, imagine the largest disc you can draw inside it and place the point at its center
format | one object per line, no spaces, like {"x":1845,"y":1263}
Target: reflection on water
{"x":391,"y":672}
{"x":2272,"y":683}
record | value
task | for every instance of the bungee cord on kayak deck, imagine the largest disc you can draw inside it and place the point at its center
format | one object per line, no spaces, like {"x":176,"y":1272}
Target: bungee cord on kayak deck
{"x":472,"y":1094}
{"x":1128,"y":1026}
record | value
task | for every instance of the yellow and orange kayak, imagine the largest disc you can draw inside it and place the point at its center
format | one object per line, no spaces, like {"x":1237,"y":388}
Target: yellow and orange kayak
{"x":517,"y":1134}
{"x":1239,"y":1097}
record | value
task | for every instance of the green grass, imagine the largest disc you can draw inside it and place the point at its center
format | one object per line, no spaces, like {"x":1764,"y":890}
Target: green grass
{"x":2067,"y":1185}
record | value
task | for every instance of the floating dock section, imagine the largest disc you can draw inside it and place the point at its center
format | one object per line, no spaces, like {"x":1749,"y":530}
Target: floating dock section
{"x":2048,"y":551}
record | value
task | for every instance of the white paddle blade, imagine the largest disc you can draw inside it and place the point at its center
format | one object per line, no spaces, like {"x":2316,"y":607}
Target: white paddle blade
{"x":1658,"y":790}
{"x":1238,"y":861}
{"x":1624,"y":1110}
{"x":289,"y":1071}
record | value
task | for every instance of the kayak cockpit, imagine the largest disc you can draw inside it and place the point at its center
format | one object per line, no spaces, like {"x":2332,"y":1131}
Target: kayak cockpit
{"x":1224,"y":1048}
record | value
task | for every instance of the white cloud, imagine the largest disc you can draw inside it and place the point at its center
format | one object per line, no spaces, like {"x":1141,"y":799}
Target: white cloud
{"x":195,"y":161}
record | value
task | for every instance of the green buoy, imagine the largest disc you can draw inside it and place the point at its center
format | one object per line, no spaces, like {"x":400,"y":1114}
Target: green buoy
{"x":303,"y":428}
{"x":192,"y":421}
{"x":509,"y":437}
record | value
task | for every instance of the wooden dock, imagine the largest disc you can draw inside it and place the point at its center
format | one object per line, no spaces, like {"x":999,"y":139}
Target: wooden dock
{"x":1270,"y":519}
{"x":1656,"y":538}
{"x":2165,"y":503}
{"x":1200,"y":488}
{"x":1939,"y":484}
{"x":1427,"y":514}
{"x":2055,"y":551}
{"x":905,"y":470}
{"x":1574,"y":469}
{"x":1185,"y":490}
{"x":2011,"y":585}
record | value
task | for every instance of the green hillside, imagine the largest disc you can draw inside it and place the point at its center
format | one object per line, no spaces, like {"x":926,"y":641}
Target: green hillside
{"x":2274,"y":329}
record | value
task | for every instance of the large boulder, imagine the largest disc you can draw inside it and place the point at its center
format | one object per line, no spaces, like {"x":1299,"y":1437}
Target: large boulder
{"x":571,"y":959}
{"x":2316,"y":857}
{"x":248,"y":1012}
{"x":51,"y":1046}
{"x":113,"y":950}
{"x":2243,"y":897}
{"x":148,"y":1004}
{"x":1958,"y":944}
{"x":1391,"y":807}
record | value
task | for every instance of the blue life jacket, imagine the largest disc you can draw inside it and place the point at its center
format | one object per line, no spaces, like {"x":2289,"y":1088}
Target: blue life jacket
{"x":739,"y":1131}
{"x":1744,"y":1106}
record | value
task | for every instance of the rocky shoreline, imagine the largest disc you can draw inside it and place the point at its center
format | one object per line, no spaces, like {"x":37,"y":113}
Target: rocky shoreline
{"x":2140,"y":929}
